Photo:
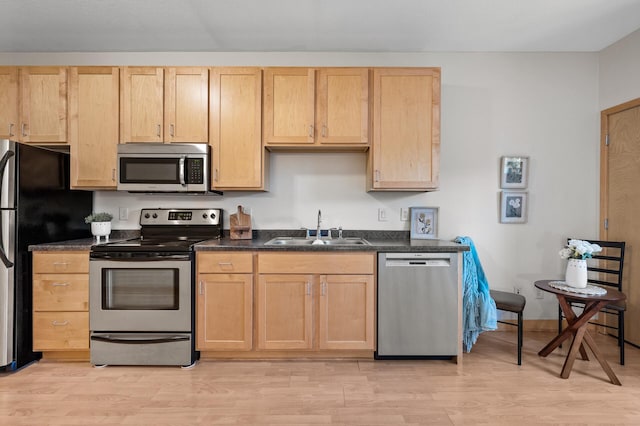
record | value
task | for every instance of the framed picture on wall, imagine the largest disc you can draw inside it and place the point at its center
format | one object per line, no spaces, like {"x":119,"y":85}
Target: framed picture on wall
{"x":514,"y":172}
{"x":424,"y":223}
{"x":513,"y":207}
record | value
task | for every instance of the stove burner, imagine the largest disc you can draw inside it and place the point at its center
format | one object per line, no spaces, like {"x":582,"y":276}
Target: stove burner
{"x":169,"y":230}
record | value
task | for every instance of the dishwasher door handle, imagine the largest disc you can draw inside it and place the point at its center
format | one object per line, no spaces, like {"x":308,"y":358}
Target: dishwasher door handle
{"x":426,"y":263}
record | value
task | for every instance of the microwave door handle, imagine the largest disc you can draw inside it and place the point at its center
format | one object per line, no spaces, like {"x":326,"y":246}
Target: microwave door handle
{"x":181,"y":173}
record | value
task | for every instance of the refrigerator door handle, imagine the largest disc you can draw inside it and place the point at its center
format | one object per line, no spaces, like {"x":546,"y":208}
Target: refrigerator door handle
{"x":3,"y":167}
{"x":4,"y":227}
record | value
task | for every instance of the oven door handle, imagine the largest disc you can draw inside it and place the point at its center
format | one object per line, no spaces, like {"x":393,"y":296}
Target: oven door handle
{"x":112,"y":258}
{"x":136,"y":340}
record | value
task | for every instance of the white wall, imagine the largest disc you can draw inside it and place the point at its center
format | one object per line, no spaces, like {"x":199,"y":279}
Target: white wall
{"x":620,"y":71}
{"x":543,"y":105}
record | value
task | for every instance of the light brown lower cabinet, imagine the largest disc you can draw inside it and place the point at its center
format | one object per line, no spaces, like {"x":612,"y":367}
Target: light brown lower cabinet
{"x":324,"y":302}
{"x":60,"y":301}
{"x":339,"y":307}
{"x":224,"y":309}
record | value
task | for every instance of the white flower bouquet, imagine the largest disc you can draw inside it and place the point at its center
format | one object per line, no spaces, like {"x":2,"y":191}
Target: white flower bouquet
{"x":579,"y":249}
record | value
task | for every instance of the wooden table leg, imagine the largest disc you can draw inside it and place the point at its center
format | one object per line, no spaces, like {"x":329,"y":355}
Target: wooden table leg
{"x":603,"y":362}
{"x":576,"y":345}
{"x":574,"y":324}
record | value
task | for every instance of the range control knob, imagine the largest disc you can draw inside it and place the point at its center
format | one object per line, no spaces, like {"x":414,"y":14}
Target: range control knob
{"x":213,"y":215}
{"x":204,"y":215}
{"x":146,"y":215}
{"x":155,"y":215}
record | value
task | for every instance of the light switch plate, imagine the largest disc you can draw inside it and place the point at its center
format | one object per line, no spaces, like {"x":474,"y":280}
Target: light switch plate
{"x":124,"y":213}
{"x":382,"y":215}
{"x":404,"y":214}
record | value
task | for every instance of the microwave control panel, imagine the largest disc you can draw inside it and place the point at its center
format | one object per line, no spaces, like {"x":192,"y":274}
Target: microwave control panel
{"x":195,"y":170}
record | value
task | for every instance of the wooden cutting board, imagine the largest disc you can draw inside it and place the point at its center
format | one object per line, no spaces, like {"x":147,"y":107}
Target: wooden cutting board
{"x":240,"y":225}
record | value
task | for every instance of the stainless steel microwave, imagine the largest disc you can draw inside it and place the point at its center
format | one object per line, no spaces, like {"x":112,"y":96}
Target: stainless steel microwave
{"x":157,"y":167}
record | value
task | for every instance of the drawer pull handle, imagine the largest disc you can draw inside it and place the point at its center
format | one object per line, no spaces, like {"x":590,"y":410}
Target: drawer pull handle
{"x":159,"y":130}
{"x":308,"y":292}
{"x":60,"y":263}
{"x":24,"y":129}
{"x":323,"y":288}
{"x":60,"y":284}
{"x":225,"y":263}
{"x":56,"y":323}
{"x":11,"y":129}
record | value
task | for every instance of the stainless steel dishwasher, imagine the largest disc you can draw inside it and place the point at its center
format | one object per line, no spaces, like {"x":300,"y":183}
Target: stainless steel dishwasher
{"x":417,"y":305}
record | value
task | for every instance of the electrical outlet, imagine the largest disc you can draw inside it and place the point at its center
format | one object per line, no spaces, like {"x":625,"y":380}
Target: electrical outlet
{"x":404,"y":214}
{"x":516,"y":290}
{"x":382,"y":215}
{"x":539,"y":294}
{"x":124,"y":213}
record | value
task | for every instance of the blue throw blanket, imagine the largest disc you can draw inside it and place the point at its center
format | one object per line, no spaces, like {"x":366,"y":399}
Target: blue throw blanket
{"x":478,"y":308}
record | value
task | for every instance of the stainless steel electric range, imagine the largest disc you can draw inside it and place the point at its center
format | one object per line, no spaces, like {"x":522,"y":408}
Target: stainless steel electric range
{"x":141,"y":291}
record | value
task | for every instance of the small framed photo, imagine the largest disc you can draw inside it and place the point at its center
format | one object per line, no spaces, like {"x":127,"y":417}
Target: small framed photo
{"x":513,"y":207}
{"x":513,"y":172}
{"x":424,"y":223}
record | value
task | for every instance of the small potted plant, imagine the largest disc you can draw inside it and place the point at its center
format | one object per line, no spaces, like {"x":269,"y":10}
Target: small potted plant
{"x":100,"y":225}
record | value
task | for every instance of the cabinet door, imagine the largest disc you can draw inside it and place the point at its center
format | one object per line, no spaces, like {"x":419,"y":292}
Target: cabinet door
{"x":342,"y":112}
{"x":406,"y":129}
{"x":43,"y":112}
{"x":346,"y":312}
{"x":289,"y":106}
{"x":93,"y":126}
{"x":285,"y":311}
{"x":186,"y":103}
{"x":142,"y":108}
{"x":224,"y":312}
{"x":8,"y":103}
{"x":236,"y":118}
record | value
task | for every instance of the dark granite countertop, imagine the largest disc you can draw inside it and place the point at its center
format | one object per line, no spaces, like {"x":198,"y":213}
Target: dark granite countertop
{"x":378,"y":241}
{"x":83,"y":243}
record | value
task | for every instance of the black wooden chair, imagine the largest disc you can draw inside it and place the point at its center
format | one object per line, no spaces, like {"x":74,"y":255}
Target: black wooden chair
{"x":605,"y":269}
{"x":511,"y":302}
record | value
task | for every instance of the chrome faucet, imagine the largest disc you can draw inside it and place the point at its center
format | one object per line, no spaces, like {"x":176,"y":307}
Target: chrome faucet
{"x":318,"y":231}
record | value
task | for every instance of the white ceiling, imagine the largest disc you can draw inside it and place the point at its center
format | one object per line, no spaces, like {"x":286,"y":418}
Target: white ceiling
{"x":314,"y":25}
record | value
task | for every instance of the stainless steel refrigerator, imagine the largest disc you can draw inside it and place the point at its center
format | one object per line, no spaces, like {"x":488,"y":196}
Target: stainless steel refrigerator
{"x":36,"y":206}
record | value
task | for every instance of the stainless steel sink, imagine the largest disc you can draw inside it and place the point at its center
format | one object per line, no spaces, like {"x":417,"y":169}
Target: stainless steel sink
{"x":301,"y":241}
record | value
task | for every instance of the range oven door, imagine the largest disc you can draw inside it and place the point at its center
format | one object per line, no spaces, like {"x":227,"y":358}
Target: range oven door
{"x":150,"y":295}
{"x":140,"y":311}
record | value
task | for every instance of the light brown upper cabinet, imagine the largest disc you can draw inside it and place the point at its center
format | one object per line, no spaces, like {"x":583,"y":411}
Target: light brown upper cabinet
{"x":8,"y":103}
{"x":405,"y":152}
{"x":234,"y":127}
{"x":43,"y":105}
{"x":300,"y":111}
{"x":164,"y":104}
{"x":93,"y":126}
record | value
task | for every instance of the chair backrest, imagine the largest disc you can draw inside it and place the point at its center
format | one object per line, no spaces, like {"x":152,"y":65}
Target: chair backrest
{"x":608,"y":265}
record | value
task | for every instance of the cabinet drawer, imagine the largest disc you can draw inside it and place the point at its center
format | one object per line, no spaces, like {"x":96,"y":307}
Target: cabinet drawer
{"x":312,"y":263}
{"x":61,"y":262}
{"x":227,"y":262}
{"x":60,"y":292}
{"x":60,"y":331}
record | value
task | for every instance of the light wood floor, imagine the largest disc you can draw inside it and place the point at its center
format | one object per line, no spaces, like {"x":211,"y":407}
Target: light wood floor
{"x":489,"y":388}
